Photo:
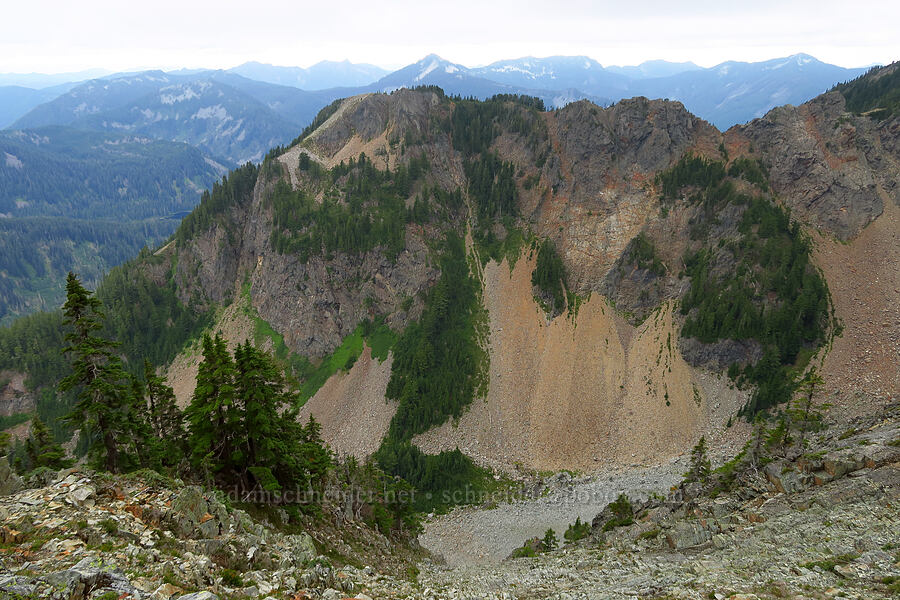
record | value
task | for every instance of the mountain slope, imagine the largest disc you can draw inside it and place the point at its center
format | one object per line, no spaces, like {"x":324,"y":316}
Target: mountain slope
{"x":556,"y":73}
{"x":95,"y":96}
{"x":218,"y":119}
{"x":16,"y":101}
{"x":654,"y":68}
{"x":560,"y":285}
{"x":226,"y":115}
{"x":320,"y":76}
{"x":86,"y":201}
{"x":735,"y":92}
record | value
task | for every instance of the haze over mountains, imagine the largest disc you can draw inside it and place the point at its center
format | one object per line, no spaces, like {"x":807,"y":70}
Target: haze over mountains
{"x":216,"y":119}
{"x":727,"y":94}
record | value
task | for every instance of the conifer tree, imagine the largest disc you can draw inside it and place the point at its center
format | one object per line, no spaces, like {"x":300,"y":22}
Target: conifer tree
{"x":42,"y":451}
{"x":700,"y":466}
{"x":550,"y":541}
{"x":97,"y":375}
{"x":259,"y":392}
{"x":164,"y":417}
{"x":211,"y":414}
{"x":804,"y":414}
{"x":273,"y":448}
{"x":316,"y":457}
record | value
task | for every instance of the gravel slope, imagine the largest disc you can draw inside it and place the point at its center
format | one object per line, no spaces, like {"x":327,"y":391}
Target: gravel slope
{"x":470,"y":536}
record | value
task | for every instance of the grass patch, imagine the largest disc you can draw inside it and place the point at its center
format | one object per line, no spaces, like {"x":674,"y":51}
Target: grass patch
{"x":828,"y":564}
{"x":310,"y":378}
{"x":12,"y":420}
{"x":346,"y":353}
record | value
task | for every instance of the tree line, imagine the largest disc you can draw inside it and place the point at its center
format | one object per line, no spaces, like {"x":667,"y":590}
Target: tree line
{"x":770,"y":292}
{"x":240,"y":429}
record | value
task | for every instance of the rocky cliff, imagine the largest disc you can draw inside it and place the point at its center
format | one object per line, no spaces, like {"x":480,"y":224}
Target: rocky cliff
{"x":585,"y":177}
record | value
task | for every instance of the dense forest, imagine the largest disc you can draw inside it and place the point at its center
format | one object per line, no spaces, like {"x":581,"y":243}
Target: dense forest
{"x":57,"y":190}
{"x":37,"y":252}
{"x":439,"y":368}
{"x":769,"y":291}
{"x":875,"y":94}
{"x":56,"y":171}
{"x":363,"y":207}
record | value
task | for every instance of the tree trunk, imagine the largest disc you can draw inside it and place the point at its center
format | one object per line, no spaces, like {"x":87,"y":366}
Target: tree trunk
{"x":109,"y":442}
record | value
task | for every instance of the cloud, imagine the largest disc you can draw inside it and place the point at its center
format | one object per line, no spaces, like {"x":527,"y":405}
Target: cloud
{"x":60,"y":36}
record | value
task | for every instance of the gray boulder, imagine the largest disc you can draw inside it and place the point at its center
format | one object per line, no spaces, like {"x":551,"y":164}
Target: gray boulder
{"x":10,"y":483}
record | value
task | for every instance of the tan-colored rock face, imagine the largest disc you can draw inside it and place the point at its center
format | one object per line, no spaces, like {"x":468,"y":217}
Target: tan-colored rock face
{"x":571,"y":393}
{"x":575,"y":393}
{"x":351,"y":407}
{"x":862,"y":369}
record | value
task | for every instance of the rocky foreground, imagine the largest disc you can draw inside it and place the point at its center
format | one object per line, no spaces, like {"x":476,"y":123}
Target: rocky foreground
{"x":824,"y":525}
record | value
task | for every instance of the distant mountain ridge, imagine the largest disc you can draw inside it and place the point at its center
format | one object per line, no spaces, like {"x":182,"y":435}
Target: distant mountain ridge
{"x":726,"y":94}
{"x":322,"y":75}
{"x":225,"y":115}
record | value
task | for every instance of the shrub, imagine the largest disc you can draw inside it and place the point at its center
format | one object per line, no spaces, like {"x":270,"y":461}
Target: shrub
{"x":231,"y":578}
{"x":577,"y":531}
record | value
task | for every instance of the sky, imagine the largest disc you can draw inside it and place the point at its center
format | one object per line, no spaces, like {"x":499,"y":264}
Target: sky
{"x":53,"y":36}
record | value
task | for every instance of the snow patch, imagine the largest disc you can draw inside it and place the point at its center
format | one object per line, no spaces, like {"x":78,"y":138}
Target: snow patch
{"x":431,"y":67}
{"x":217,"y":112}
{"x":187,"y":93}
{"x":83,"y":108}
{"x":450,"y":69}
{"x":13,"y":161}
{"x":219,"y":168}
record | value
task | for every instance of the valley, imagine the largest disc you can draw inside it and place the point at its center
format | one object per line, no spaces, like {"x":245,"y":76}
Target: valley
{"x":685,"y":338}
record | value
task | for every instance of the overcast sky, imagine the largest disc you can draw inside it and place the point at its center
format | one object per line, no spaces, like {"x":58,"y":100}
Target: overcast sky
{"x":64,"y":35}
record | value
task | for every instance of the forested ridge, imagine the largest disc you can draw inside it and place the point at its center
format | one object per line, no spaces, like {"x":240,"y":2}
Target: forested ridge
{"x":85,"y":201}
{"x":746,"y":278}
{"x":876,"y":93}
{"x":770,"y":292}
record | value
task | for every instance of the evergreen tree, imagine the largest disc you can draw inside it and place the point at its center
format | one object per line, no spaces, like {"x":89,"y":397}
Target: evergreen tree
{"x":550,"y":542}
{"x":243,"y":423}
{"x":273,"y":447}
{"x":756,"y":445}
{"x":102,"y":385}
{"x":700,"y":466}
{"x":804,"y":415}
{"x":164,"y":417}
{"x":262,"y":449}
{"x":779,"y":438}
{"x":211,"y":414}
{"x":317,"y":458}
{"x":42,"y":451}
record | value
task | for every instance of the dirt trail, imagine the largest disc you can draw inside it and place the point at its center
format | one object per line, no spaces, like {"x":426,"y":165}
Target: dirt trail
{"x":578,"y":393}
{"x":862,"y":371}
{"x":351,"y":407}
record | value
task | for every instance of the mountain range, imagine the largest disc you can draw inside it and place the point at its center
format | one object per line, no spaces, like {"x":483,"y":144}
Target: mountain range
{"x":237,"y":115}
{"x":628,"y":274}
{"x":726,"y":94}
{"x":472,"y":300}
